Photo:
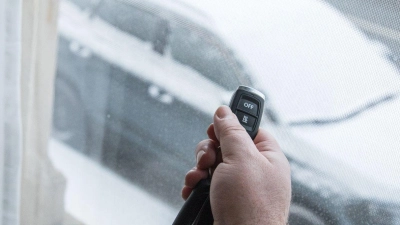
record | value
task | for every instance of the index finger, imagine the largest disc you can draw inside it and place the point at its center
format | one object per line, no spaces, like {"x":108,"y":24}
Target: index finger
{"x":211,"y":134}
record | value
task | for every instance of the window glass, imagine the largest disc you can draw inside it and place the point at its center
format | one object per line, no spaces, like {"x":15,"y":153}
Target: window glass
{"x":127,"y":118}
{"x":84,"y":4}
{"x":80,"y":98}
{"x":138,"y":147}
{"x":206,"y":55}
{"x":128,"y":18}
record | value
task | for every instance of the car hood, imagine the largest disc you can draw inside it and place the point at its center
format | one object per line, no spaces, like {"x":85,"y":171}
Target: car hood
{"x":312,"y":62}
{"x":368,"y":144}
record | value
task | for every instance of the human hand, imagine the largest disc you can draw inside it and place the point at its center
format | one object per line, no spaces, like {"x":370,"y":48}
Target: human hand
{"x":250,"y":180}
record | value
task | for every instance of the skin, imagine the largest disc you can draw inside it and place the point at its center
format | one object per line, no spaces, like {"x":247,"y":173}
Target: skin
{"x":250,"y":179}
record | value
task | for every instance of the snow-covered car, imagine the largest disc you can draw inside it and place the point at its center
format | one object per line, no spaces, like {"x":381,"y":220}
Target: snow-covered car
{"x":138,"y":81}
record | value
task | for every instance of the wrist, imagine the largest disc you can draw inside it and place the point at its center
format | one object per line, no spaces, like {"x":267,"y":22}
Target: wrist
{"x":263,"y":219}
{"x":253,"y":222}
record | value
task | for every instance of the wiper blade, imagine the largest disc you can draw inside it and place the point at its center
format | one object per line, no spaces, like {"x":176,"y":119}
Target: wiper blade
{"x":346,"y":116}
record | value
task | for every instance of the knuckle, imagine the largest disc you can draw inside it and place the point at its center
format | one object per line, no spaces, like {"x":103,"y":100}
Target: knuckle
{"x":268,"y":145}
{"x":202,"y":145}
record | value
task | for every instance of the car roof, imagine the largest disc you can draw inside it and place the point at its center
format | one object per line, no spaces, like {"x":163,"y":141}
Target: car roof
{"x":176,"y":11}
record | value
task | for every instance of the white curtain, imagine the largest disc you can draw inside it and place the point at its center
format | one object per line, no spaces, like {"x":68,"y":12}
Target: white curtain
{"x":31,"y":190}
{"x":10,"y":113}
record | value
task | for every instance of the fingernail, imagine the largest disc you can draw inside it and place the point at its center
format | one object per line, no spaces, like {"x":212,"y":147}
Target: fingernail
{"x":199,"y":155}
{"x":224,"y":112}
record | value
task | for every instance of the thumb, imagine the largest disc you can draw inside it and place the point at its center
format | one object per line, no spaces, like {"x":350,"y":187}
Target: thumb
{"x":235,"y":142}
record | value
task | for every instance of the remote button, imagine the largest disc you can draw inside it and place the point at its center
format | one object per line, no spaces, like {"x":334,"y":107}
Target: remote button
{"x":246,"y":120}
{"x":248,"y":106}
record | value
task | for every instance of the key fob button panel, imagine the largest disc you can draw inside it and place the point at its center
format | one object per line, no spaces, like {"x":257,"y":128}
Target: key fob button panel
{"x":246,"y":120}
{"x":248,"y":106}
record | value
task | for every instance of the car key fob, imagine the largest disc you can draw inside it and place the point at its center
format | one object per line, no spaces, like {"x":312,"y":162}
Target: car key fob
{"x":248,"y":104}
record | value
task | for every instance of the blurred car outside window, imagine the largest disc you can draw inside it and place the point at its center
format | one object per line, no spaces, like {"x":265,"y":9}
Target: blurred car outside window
{"x":137,"y":83}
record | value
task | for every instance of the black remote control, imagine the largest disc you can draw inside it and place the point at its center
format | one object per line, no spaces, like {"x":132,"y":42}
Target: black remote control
{"x":248,"y":105}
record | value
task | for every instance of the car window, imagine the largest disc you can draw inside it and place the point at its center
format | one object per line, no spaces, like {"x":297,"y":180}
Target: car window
{"x":84,"y":4}
{"x":132,"y":20}
{"x":205,"y":54}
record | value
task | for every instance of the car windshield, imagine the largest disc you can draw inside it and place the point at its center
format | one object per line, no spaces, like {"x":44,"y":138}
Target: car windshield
{"x":137,"y":84}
